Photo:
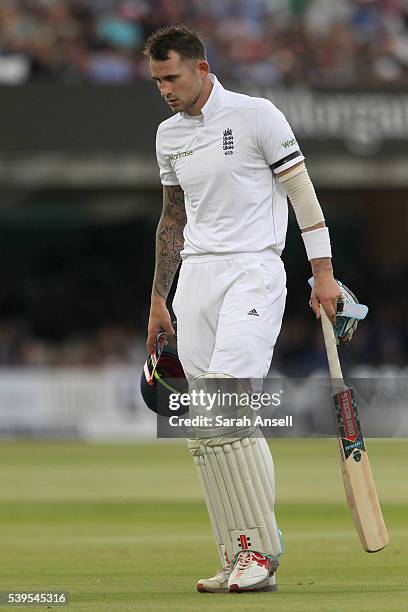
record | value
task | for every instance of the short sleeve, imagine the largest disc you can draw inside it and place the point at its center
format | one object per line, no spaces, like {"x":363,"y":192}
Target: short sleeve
{"x":167,"y":174}
{"x":276,"y":139}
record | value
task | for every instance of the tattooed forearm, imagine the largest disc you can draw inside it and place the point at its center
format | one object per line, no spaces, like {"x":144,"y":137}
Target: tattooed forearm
{"x":169,"y":242}
{"x":169,"y":239}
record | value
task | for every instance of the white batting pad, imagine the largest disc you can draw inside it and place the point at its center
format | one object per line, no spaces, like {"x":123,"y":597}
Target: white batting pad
{"x":241,"y":494}
{"x":212,"y":501}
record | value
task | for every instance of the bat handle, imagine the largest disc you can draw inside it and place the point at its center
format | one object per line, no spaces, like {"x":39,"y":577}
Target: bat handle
{"x":336,"y":374}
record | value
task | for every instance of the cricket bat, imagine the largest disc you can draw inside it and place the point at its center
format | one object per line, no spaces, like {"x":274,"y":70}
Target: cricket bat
{"x":355,"y":467}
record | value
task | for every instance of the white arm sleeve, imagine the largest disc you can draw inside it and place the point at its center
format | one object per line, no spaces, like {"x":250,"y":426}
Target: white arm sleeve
{"x":302,"y":196}
{"x":167,"y":174}
{"x":276,"y":139}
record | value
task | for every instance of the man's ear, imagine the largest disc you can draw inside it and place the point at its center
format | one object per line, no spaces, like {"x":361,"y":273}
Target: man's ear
{"x":202,"y":68}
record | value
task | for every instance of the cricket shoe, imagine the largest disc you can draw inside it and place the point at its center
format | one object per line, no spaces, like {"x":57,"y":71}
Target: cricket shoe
{"x":219,"y":582}
{"x":252,"y":571}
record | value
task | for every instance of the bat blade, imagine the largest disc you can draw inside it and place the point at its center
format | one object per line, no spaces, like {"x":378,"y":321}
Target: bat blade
{"x":355,"y":467}
{"x":357,"y":477}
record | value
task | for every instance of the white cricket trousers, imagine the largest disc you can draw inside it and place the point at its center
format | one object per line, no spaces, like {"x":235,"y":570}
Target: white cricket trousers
{"x":229,"y":313}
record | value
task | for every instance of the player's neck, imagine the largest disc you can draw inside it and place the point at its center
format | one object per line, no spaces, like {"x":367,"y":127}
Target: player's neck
{"x":205,"y":93}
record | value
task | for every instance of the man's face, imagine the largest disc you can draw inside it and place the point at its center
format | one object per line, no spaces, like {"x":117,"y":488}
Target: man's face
{"x":180,"y":81}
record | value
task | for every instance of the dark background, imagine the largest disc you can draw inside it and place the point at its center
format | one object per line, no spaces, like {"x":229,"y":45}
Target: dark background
{"x":80,"y":194}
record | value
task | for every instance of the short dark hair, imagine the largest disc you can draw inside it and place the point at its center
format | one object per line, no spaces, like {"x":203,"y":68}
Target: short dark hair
{"x":177,"y":38}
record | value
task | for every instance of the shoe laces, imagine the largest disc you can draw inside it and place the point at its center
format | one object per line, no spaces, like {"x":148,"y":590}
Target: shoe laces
{"x":225,"y":571}
{"x":244,"y":559}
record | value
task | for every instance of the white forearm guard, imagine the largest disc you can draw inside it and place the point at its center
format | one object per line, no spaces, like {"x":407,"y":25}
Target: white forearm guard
{"x":302,"y":196}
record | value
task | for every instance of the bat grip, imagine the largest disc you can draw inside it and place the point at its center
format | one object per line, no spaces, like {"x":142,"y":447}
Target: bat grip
{"x":336,"y":374}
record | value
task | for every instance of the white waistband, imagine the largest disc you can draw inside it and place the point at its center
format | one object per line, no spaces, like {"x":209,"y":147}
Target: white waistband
{"x":207,"y":257}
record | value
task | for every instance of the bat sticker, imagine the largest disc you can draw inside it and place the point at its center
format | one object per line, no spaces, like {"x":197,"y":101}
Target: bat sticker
{"x":348,"y":423}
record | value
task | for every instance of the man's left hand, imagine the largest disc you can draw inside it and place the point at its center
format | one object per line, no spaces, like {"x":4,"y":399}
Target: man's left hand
{"x":326,"y":292}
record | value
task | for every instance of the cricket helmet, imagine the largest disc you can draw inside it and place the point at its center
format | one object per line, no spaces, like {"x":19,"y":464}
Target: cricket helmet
{"x":162,"y":376}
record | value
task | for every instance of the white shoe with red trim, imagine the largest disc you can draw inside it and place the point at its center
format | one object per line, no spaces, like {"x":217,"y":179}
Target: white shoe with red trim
{"x":252,"y":571}
{"x":218,"y":583}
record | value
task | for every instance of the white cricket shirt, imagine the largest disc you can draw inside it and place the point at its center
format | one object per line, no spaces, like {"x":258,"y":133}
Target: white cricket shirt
{"x":224,"y":160}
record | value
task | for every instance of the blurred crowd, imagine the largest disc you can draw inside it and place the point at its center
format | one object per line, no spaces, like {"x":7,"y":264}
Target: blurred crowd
{"x":76,"y":328}
{"x":336,"y":43}
{"x":110,"y":344}
{"x":79,"y":296}
{"x":379,"y":341}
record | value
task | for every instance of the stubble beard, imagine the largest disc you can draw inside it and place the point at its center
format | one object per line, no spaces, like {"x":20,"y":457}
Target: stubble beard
{"x":191,"y":103}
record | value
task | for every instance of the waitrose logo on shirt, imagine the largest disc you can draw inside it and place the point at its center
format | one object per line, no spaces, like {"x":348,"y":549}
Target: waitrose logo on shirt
{"x":175,"y":156}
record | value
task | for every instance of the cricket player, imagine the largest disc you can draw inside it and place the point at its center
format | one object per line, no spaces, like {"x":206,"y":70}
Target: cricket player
{"x":227,"y":163}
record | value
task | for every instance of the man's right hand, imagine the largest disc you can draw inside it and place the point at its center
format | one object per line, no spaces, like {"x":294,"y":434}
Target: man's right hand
{"x":159,"y":319}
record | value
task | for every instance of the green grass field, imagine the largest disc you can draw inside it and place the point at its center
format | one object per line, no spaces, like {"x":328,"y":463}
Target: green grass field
{"x":122,"y":527}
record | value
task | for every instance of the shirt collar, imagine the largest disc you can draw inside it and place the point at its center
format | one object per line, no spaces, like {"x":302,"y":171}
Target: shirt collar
{"x":213,"y":100}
